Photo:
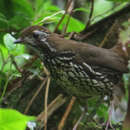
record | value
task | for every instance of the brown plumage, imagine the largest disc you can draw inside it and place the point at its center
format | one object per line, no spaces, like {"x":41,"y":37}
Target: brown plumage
{"x":81,"y":69}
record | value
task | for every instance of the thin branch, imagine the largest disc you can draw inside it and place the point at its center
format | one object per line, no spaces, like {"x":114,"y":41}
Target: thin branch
{"x":62,"y":122}
{"x":46,"y":99}
{"x":70,"y":10}
{"x":90,"y":16}
{"x":108,"y":34}
{"x":5,"y":88}
{"x":2,"y":56}
{"x":82,"y":37}
{"x":34,"y":96}
{"x":66,"y":26}
{"x":4,"y":63}
{"x":79,"y":120}
{"x":30,"y":62}
{"x":15,"y":64}
{"x":53,"y":106}
{"x":17,"y":85}
{"x":66,"y":11}
{"x":46,"y":96}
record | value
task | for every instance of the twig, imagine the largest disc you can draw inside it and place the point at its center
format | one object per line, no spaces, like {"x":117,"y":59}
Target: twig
{"x":83,"y":34}
{"x":53,"y":106}
{"x":70,"y":9}
{"x":15,"y":64}
{"x":108,"y":34}
{"x":62,"y":122}
{"x":66,"y":11}
{"x":4,"y":63}
{"x":46,"y":99}
{"x":28,"y":64}
{"x":80,"y":118}
{"x":46,"y":96}
{"x":34,"y":96}
{"x":5,"y":88}
{"x":2,"y":56}
{"x":82,"y":37}
{"x":17,"y":85}
{"x":66,"y":26}
{"x":90,"y":16}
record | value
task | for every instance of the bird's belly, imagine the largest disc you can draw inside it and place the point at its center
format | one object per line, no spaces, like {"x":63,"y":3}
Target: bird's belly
{"x":84,"y":82}
{"x":82,"y":86}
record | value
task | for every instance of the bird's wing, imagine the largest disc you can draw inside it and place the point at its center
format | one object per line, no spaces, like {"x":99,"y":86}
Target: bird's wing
{"x":90,"y":54}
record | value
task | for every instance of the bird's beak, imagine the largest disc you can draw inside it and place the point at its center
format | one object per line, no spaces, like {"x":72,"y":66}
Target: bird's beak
{"x":19,"y":40}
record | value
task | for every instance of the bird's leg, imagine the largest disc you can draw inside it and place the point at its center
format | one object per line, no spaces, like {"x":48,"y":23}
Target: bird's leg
{"x":91,"y":115}
{"x":80,"y":118}
{"x":108,"y":123}
{"x":118,"y":93}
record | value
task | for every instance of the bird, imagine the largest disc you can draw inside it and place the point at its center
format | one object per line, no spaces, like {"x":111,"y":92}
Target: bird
{"x":81,"y":69}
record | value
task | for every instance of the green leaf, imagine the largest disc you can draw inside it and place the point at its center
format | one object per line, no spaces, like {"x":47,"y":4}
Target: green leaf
{"x":82,"y":10}
{"x":38,"y":4}
{"x":19,"y":14}
{"x":22,"y":14}
{"x":74,"y":25}
{"x":49,"y":17}
{"x":18,"y":52}
{"x":103,"y":8}
{"x":43,"y":11}
{"x":3,"y":79}
{"x":3,"y":21}
{"x":52,"y":8}
{"x":15,"y":49}
{"x":3,"y":56}
{"x":21,"y":59}
{"x":3,"y":52}
{"x":5,"y":62}
{"x":9,"y":42}
{"x":125,"y":33}
{"x":19,"y":21}
{"x":119,"y":0}
{"x":23,"y":6}
{"x":13,"y":120}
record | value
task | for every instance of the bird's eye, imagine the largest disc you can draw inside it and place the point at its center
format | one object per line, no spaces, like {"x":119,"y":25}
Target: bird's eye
{"x":35,"y":35}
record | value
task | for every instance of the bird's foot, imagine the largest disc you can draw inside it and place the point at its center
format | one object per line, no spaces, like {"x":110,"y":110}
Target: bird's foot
{"x":109,"y":123}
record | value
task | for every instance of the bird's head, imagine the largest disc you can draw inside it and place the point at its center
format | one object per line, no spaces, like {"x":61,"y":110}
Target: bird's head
{"x":36,"y":38}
